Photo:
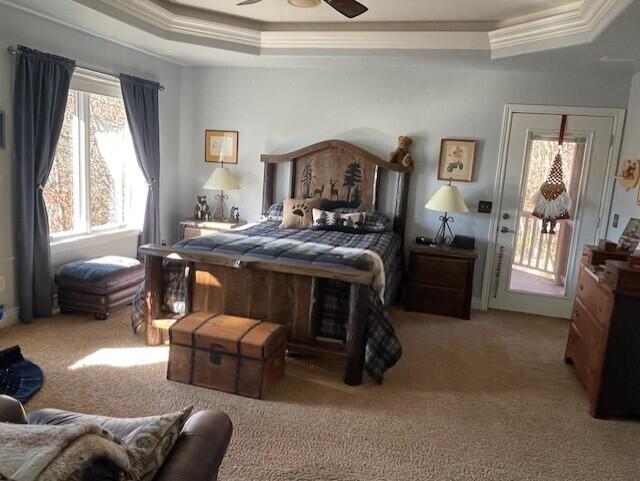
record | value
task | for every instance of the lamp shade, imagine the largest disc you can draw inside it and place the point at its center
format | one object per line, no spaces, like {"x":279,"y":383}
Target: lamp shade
{"x":221,"y":179}
{"x":447,"y":199}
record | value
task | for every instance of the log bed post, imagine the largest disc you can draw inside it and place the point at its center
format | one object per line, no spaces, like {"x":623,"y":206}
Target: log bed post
{"x":153,"y":298}
{"x":356,"y":333}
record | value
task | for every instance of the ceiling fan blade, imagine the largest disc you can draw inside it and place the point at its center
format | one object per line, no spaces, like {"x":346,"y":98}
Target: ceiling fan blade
{"x":248,"y":2}
{"x":348,"y":8}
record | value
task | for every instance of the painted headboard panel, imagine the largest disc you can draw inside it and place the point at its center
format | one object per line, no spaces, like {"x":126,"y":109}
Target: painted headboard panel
{"x":337,"y":170}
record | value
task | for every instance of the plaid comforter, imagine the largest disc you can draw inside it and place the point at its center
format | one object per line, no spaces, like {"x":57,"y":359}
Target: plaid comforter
{"x":306,"y":246}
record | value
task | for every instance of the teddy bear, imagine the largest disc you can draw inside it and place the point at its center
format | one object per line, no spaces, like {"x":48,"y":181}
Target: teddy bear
{"x":402,"y":155}
{"x":202,"y":211}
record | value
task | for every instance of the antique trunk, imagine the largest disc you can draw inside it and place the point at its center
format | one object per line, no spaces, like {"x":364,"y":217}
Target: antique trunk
{"x":228,"y":353}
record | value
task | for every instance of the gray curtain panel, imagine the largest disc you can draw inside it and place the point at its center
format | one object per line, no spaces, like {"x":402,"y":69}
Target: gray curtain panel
{"x":40,"y":98}
{"x":141,"y":103}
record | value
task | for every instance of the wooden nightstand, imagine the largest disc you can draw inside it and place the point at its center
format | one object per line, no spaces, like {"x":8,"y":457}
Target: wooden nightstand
{"x":441,"y":280}
{"x":190,"y":228}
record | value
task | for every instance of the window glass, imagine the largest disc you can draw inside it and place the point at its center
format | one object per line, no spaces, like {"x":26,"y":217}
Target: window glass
{"x":95,"y":182}
{"x":61,"y":191}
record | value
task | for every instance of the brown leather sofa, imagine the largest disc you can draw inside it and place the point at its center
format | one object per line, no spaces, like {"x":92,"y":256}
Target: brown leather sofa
{"x":196,"y":456}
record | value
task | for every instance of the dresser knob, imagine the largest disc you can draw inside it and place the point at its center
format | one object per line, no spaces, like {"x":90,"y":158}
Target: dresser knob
{"x":581,"y":287}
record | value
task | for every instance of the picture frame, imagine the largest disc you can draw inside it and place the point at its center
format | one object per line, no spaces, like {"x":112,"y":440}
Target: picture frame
{"x":457,"y":159}
{"x":630,"y":237}
{"x":221,"y":146}
{"x":2,"y":130}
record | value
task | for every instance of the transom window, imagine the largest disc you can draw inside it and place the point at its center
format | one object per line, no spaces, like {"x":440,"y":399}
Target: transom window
{"x":95,"y":184}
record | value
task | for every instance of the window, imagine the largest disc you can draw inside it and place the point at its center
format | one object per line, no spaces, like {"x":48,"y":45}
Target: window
{"x":95,"y":184}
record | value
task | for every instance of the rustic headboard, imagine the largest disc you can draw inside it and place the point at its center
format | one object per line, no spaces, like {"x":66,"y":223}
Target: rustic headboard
{"x":337,"y":170}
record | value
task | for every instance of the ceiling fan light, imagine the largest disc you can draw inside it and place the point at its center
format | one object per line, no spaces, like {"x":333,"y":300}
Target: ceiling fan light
{"x":304,"y":3}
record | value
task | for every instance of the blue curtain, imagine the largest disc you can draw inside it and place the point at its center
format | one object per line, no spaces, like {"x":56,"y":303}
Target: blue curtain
{"x":40,"y":98}
{"x":141,"y":103}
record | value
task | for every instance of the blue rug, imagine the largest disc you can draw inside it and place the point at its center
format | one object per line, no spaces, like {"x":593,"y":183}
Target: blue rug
{"x":19,"y":378}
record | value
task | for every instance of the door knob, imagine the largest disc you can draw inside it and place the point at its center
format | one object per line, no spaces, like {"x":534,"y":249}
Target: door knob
{"x":505,"y":230}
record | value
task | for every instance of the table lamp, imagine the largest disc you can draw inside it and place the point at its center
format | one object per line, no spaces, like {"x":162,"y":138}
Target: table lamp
{"x":222,"y":180}
{"x":447,"y":199}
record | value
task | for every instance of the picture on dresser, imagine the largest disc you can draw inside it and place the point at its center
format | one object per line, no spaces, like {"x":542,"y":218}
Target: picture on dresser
{"x":221,"y":146}
{"x":630,"y":238}
{"x":457,"y":157}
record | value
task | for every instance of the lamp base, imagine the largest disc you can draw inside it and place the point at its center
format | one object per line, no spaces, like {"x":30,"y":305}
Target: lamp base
{"x":444,"y":235}
{"x":221,"y":211}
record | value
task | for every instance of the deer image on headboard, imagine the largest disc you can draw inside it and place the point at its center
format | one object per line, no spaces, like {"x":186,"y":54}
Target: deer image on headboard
{"x":351,"y":172}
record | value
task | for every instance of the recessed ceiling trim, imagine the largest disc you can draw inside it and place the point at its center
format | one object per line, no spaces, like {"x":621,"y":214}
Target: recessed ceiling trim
{"x":376,"y":40}
{"x":168,"y":21}
{"x":573,"y":24}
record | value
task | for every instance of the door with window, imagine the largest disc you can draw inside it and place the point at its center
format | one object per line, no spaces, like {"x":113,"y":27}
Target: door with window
{"x":534,"y":268}
{"x":95,"y":185}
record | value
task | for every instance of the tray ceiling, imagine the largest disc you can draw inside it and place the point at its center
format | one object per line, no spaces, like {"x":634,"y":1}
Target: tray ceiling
{"x":383,"y":10}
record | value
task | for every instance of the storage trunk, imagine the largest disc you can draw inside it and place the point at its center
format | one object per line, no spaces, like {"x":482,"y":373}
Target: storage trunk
{"x":228,"y":353}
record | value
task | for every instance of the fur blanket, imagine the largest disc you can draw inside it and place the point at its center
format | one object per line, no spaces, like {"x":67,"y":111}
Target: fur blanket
{"x":57,"y":453}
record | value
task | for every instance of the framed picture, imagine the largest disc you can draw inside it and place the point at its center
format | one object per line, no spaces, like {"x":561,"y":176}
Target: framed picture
{"x":457,"y":157}
{"x":630,"y":238}
{"x":221,"y":146}
{"x":2,"y":139}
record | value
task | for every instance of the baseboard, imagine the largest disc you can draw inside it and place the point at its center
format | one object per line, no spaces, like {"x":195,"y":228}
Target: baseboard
{"x":10,"y":317}
{"x":476,"y":304}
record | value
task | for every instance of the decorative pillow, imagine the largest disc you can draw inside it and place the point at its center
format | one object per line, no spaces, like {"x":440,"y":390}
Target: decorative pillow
{"x":374,"y":221}
{"x":274,"y":213}
{"x":150,"y":443}
{"x":326,"y":220}
{"x":298,"y":213}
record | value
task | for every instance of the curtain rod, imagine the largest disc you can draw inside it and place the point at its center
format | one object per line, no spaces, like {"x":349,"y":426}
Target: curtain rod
{"x":14,"y":51}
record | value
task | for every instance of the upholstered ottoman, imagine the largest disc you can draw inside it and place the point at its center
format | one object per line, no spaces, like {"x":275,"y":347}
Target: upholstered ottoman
{"x":98,"y":285}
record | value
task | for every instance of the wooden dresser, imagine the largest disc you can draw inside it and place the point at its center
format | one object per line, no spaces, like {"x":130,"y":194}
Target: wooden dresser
{"x":441,"y":280}
{"x":604,"y":336}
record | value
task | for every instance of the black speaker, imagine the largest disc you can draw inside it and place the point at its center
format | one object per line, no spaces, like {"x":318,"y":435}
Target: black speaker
{"x":464,"y":242}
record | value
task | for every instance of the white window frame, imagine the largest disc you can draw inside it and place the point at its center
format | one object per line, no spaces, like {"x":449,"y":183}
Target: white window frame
{"x":83,"y":83}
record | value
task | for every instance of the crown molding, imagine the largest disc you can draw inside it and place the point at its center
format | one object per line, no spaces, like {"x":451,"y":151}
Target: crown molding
{"x":170,"y":22}
{"x":375,"y":40}
{"x":573,"y":24}
{"x":579,"y":22}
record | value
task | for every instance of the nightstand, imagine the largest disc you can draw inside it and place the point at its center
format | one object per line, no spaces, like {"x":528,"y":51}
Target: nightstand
{"x":441,"y":280}
{"x":191,"y":228}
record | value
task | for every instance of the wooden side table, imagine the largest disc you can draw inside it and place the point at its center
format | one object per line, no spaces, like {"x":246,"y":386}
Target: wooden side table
{"x":190,"y":228}
{"x":441,"y":280}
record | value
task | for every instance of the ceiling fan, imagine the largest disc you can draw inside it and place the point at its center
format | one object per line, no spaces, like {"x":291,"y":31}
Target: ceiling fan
{"x":348,"y":8}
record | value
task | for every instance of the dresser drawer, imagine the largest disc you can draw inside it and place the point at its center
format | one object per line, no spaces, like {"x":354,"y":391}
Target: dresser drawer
{"x":438,"y":300}
{"x":594,"y":298}
{"x":579,"y":355}
{"x":440,"y":271}
{"x":191,"y":232}
{"x":589,"y":329}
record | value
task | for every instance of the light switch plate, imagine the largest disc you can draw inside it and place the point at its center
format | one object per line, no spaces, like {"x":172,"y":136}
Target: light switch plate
{"x":3,"y":284}
{"x":485,"y":206}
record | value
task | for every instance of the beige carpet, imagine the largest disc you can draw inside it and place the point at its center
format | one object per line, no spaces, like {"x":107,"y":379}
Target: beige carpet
{"x":487,"y":399}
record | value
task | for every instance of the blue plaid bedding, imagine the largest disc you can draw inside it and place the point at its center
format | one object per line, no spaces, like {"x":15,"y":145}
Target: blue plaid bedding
{"x":306,"y":246}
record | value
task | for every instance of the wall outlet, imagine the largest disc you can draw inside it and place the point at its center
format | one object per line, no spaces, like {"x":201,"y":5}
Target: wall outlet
{"x":3,"y":283}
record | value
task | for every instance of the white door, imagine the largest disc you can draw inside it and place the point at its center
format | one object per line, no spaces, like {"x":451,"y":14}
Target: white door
{"x":533,"y":271}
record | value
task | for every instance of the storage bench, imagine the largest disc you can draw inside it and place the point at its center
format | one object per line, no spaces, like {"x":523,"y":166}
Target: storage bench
{"x":98,"y":285}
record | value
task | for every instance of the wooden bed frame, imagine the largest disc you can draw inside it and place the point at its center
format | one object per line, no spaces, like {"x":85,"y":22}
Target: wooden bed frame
{"x":281,"y":292}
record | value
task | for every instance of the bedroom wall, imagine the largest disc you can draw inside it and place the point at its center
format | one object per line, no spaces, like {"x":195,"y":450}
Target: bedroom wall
{"x":277,"y":110}
{"x":625,"y":203}
{"x":20,"y":27}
